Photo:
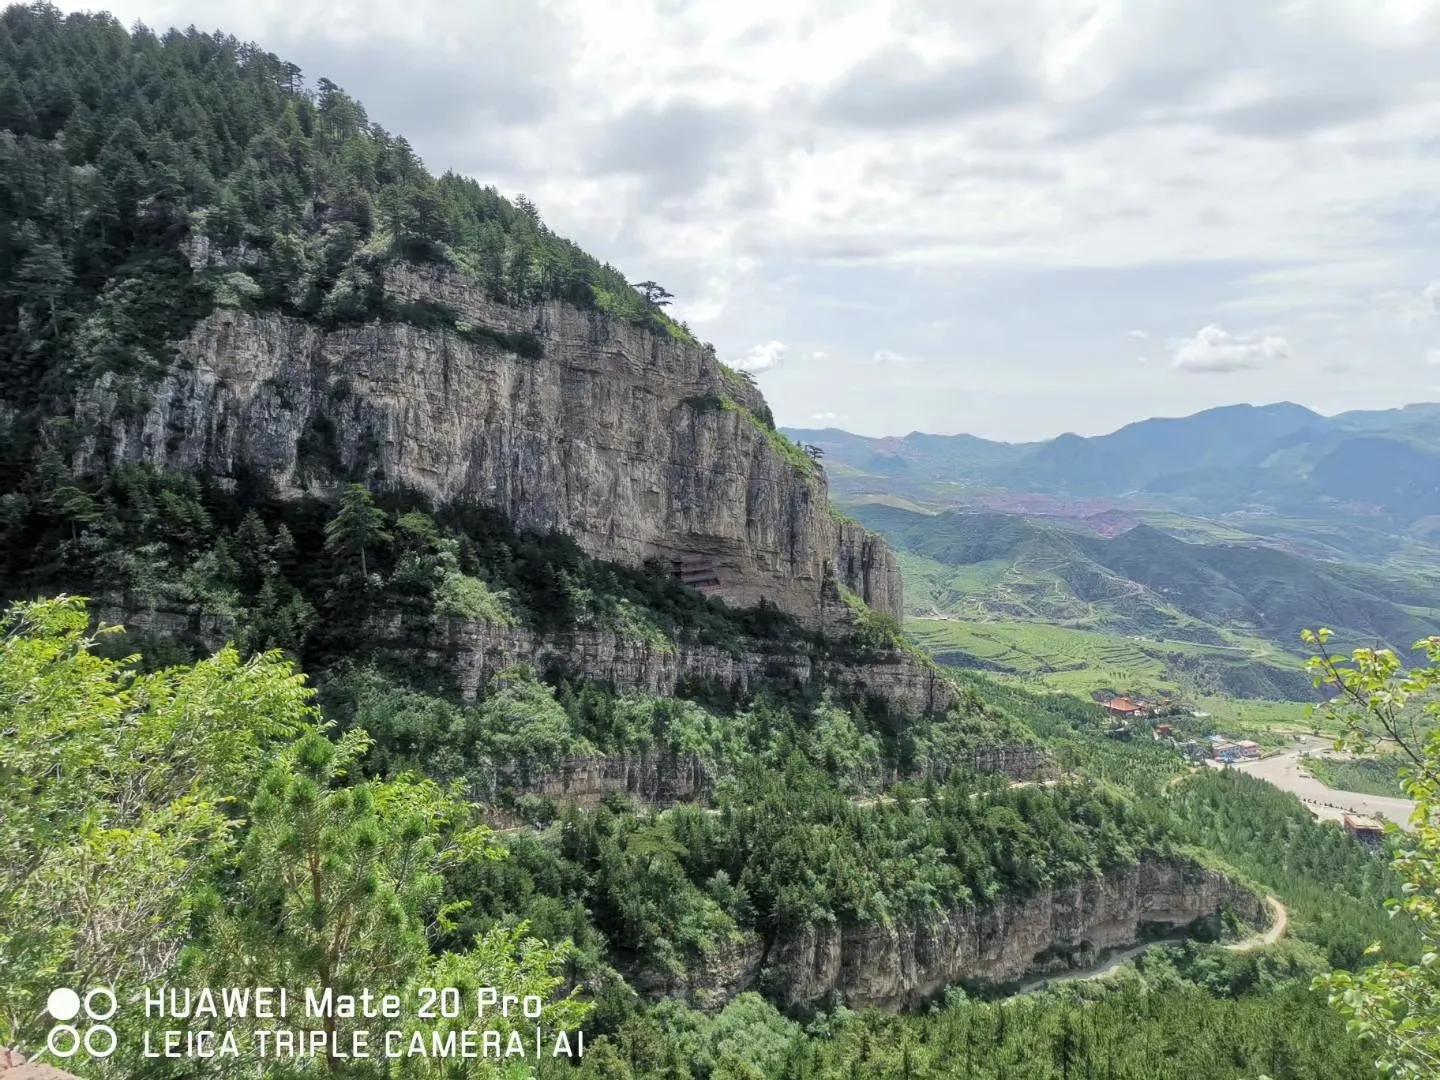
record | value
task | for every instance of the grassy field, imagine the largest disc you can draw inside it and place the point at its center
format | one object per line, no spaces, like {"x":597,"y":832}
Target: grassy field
{"x":1260,"y":715}
{"x":1082,"y":662}
{"x":1369,"y":776}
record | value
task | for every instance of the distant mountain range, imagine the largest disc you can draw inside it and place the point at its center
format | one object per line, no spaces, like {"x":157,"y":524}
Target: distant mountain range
{"x":1206,"y":542}
{"x":1145,"y":582}
{"x":1279,"y":459}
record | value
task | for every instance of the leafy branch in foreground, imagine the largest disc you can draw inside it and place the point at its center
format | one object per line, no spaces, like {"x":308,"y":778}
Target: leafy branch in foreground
{"x":1394,"y":1005}
{"x":198,"y":823}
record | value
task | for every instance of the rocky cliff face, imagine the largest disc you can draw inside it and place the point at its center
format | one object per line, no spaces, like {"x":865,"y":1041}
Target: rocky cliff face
{"x":471,"y":652}
{"x":663,"y":778}
{"x":905,"y":965}
{"x":637,"y":446}
{"x":474,"y":651}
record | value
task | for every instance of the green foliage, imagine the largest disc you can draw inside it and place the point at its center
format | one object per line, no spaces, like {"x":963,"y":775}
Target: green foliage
{"x":338,"y":882}
{"x":1272,"y":839}
{"x":127,"y":860}
{"x":786,"y":849}
{"x":466,"y":597}
{"x":1171,"y":1027}
{"x":874,"y":632}
{"x":1395,"y":1005}
{"x":1074,"y":732}
{"x":116,"y":798}
{"x":1332,"y":885}
{"x":521,"y":724}
{"x":357,"y":525}
{"x":1369,"y":776}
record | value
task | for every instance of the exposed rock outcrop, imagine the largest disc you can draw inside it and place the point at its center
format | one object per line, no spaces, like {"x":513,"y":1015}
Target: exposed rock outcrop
{"x":907,"y":964}
{"x":474,"y":651}
{"x":14,"y":1066}
{"x":640,"y":447}
{"x":664,"y":778}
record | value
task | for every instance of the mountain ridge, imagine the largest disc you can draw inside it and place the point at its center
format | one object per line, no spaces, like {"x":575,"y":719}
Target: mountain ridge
{"x":1145,"y":581}
{"x":1216,"y":461}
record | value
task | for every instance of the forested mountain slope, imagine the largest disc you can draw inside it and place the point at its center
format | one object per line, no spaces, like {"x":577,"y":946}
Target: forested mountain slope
{"x":1144,"y":581}
{"x":481,"y":629}
{"x":210,"y":270}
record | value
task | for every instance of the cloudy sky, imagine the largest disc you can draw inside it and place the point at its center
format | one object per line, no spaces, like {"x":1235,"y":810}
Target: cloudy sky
{"x":1007,"y":217}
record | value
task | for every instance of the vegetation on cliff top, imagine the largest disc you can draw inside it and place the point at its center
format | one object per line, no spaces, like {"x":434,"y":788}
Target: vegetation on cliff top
{"x":238,"y":837}
{"x":116,"y":146}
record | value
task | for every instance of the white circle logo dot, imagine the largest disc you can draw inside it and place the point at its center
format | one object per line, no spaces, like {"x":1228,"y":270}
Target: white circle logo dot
{"x":100,"y":1041}
{"x":66,"y":1031}
{"x":63,"y":1004}
{"x":108,"y":1005}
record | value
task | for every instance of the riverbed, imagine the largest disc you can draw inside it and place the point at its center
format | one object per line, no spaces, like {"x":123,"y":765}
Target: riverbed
{"x":1286,"y":770}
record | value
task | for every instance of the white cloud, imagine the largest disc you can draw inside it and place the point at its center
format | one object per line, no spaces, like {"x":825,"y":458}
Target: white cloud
{"x":829,"y":416}
{"x":1433,"y":358}
{"x":763,"y":357}
{"x":1138,"y":335}
{"x":1063,"y":180}
{"x":890,"y":356}
{"x":1215,"y":350}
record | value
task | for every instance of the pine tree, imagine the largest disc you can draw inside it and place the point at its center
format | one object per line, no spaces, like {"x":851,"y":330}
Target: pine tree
{"x":43,"y":275}
{"x":357,"y":526}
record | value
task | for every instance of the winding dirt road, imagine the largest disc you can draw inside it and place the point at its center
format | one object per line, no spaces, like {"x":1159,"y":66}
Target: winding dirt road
{"x":1279,"y":923}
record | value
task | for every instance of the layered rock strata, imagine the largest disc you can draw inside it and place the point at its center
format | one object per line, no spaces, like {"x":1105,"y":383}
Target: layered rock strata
{"x":641,"y":447}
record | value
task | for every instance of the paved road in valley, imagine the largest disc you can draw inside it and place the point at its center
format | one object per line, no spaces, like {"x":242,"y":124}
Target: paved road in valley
{"x":1284,"y":770}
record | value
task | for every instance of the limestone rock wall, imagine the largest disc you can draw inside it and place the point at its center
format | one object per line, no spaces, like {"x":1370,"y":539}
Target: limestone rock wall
{"x":474,"y":651}
{"x":905,"y":965}
{"x":612,"y":434}
{"x":663,"y":778}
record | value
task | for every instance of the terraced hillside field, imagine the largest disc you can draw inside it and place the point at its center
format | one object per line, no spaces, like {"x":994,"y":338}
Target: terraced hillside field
{"x":1084,"y":661}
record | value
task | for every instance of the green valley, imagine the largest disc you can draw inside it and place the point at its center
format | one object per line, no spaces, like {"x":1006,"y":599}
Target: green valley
{"x":398,"y":599}
{"x":1257,"y":686}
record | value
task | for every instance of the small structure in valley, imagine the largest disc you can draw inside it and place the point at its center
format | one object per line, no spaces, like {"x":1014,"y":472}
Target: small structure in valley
{"x":1230,"y":752}
{"x":1369,"y":831}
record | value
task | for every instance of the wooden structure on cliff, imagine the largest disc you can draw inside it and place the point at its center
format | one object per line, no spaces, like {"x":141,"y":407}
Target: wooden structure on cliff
{"x":697,"y":571}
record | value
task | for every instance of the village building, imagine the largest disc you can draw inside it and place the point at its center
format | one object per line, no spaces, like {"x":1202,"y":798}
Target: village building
{"x":1367,"y":830}
{"x":1124,"y":707}
{"x":1228,"y":752}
